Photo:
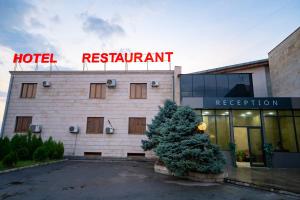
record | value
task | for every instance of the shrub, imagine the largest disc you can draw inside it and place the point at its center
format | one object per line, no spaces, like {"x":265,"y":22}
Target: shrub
{"x":10,"y":160}
{"x":153,"y":133}
{"x":19,"y":141}
{"x":181,"y":147}
{"x":23,"y":153}
{"x":5,"y":147}
{"x":33,"y":144}
{"x":59,"y":151}
{"x":40,"y":154}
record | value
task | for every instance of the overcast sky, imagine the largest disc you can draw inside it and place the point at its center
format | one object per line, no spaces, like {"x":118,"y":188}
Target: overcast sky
{"x":202,"y":34}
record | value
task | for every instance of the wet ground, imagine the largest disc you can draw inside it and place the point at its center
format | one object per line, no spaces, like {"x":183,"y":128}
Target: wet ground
{"x":114,"y":180}
{"x":285,"y":179}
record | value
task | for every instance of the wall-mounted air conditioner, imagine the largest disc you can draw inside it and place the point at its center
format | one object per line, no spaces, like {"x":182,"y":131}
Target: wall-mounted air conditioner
{"x":154,"y":83}
{"x":111,"y":83}
{"x":34,"y":128}
{"x":109,"y":130}
{"x":74,"y":129}
{"x":46,"y":84}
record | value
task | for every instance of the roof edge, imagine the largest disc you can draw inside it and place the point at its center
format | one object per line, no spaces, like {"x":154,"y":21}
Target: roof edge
{"x":245,"y":65}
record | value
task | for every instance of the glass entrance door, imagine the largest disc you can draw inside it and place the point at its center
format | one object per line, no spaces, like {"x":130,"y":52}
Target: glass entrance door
{"x":249,"y":151}
{"x":255,"y":147}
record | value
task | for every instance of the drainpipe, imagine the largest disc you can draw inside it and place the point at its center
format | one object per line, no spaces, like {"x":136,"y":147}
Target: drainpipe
{"x":6,"y":105}
{"x":173,"y":88}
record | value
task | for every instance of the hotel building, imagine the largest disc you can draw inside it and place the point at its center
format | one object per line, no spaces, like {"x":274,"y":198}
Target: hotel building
{"x":104,"y":113}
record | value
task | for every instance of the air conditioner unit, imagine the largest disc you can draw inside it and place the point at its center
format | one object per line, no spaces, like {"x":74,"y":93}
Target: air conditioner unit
{"x":154,"y":83}
{"x":111,"y":83}
{"x":35,"y":128}
{"x":74,"y":129}
{"x":46,"y":84}
{"x":109,"y":130}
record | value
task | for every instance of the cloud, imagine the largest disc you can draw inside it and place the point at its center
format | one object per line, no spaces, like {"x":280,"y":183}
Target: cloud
{"x":55,"y":19}
{"x":36,"y":24}
{"x":14,"y":33}
{"x":101,"y":27}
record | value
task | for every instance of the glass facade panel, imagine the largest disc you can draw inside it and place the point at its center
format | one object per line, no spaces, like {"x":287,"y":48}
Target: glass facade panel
{"x":208,"y":112}
{"x":288,"y":142}
{"x":211,"y":127}
{"x":297,"y":113}
{"x":186,"y":86}
{"x":246,"y":118}
{"x":240,"y":85}
{"x":216,"y":85}
{"x":222,"y":112}
{"x":270,"y":113}
{"x":222,"y":85}
{"x":297,"y":122}
{"x":285,"y":113}
{"x":198,"y":86}
{"x":223,"y":132}
{"x":272,"y":132}
{"x":210,"y":86}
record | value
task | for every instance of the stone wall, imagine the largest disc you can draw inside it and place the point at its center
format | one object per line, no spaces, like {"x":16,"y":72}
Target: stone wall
{"x":284,"y":62}
{"x":67,"y":103}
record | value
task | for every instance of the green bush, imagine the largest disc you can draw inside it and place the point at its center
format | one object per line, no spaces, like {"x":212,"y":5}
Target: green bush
{"x":5,"y":147}
{"x":10,"y":160}
{"x":178,"y":144}
{"x":19,"y":141}
{"x":23,"y":153}
{"x":59,"y":151}
{"x":33,"y":143}
{"x":41,"y":154}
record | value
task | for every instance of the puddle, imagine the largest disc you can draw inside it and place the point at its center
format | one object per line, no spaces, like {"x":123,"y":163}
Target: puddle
{"x":16,"y":182}
{"x":189,"y":183}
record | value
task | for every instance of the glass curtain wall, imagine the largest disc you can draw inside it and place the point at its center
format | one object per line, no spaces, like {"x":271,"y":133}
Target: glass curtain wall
{"x":218,"y":126}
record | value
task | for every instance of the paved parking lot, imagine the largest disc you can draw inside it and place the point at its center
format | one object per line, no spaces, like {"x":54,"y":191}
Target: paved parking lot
{"x":114,"y":180}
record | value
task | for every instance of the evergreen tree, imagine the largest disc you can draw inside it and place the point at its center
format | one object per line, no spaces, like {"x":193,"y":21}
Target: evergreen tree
{"x":182,"y":149}
{"x":165,"y":113}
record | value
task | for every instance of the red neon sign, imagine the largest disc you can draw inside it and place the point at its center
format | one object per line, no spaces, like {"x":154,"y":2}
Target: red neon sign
{"x":126,"y":57}
{"x":97,"y":57}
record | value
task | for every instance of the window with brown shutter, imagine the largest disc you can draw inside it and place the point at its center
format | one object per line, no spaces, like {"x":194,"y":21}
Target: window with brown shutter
{"x":138,"y":90}
{"x":22,"y":124}
{"x":28,"y":90}
{"x":94,"y":125}
{"x":97,"y":90}
{"x":137,"y":125}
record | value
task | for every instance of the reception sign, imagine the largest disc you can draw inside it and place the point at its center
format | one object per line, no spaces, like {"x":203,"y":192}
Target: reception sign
{"x":247,"y":103}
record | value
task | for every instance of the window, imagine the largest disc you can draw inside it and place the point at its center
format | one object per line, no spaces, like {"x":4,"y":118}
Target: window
{"x":138,"y":91}
{"x":288,"y":142}
{"x":223,"y":131}
{"x":216,"y":85}
{"x":210,"y":121}
{"x":28,"y":90}
{"x":210,"y":85}
{"x":22,"y":124}
{"x":246,"y":118}
{"x":272,"y":128}
{"x":94,"y":125}
{"x":186,"y":85}
{"x":137,"y":125}
{"x":97,"y":90}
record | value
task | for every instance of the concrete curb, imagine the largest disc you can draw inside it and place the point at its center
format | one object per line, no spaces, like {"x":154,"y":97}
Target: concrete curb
{"x":261,"y":187}
{"x":31,"y":166}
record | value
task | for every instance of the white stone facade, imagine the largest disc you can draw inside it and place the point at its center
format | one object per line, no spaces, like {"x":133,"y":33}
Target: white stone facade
{"x":67,"y":103}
